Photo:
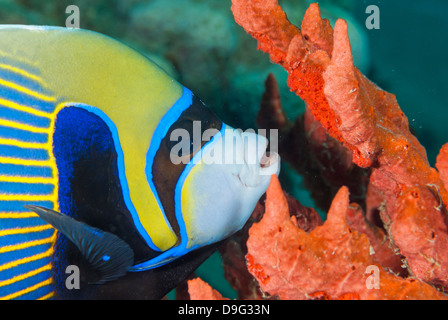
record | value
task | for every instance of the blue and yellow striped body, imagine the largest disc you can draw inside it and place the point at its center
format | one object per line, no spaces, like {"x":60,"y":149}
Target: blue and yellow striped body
{"x":28,"y":174}
{"x":36,"y":82}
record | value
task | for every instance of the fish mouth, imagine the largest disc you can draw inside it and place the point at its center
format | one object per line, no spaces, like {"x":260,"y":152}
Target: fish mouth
{"x":255,"y":175}
{"x":252,"y":164}
{"x":269,"y":163}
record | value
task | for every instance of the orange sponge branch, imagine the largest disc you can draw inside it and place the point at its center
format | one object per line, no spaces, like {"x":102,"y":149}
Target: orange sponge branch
{"x":368,"y":121}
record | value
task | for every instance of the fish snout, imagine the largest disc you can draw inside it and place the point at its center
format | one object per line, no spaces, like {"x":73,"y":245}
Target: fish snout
{"x":259,"y":164}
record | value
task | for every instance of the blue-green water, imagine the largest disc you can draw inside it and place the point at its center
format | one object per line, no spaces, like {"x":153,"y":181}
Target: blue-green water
{"x":409,"y":58}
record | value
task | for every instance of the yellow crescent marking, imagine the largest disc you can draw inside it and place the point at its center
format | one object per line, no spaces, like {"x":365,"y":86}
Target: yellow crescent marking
{"x":53,"y":165}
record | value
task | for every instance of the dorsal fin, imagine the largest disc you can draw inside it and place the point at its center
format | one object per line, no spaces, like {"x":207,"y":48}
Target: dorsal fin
{"x":107,"y":253}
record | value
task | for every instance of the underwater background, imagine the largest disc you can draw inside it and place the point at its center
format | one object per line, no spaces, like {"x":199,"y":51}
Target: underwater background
{"x":199,"y":44}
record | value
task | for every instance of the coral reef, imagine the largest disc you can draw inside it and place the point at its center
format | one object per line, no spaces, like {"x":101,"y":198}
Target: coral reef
{"x":323,"y":162}
{"x":234,"y":251}
{"x":332,"y":261}
{"x":355,"y":140}
{"x":199,"y":290}
{"x":442,"y":164}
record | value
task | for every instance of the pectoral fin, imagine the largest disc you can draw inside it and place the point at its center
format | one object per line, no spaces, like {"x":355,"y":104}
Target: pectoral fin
{"x":107,"y":253}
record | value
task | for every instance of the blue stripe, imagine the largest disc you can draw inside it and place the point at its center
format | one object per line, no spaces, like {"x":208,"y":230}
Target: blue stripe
{"x":13,"y":239}
{"x":24,"y":117}
{"x":180,"y":249}
{"x":23,"y":153}
{"x":25,"y":99}
{"x":22,"y":80}
{"x":20,"y":65}
{"x":21,"y":269}
{"x":26,"y":188}
{"x":17,"y":206}
{"x":27,"y":252}
{"x":161,"y":131}
{"x":170,"y":117}
{"x":25,"y":171}
{"x":42,"y":291}
{"x":22,"y":135}
{"x":9,"y":223}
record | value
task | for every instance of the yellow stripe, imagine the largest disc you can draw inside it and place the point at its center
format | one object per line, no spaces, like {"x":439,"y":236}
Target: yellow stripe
{"x":53,"y":165}
{"x":27,"y":290}
{"x":16,"y":58}
{"x":25,"y":275}
{"x":16,"y":263}
{"x":26,"y":109}
{"x":27,"y":197}
{"x":17,"y":215}
{"x":21,"y":126}
{"x":50,"y":163}
{"x":28,"y":179}
{"x":21,"y":144}
{"x":8,"y":232}
{"x":47,"y":296}
{"x":25,"y":245}
{"x":27,"y":91}
{"x":22,"y":72}
{"x":37,"y":163}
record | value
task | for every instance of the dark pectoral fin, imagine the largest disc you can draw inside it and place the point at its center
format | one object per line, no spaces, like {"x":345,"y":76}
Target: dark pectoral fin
{"x":107,"y":253}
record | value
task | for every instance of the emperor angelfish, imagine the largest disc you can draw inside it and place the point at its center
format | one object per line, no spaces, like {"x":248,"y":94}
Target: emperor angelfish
{"x":99,"y":143}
